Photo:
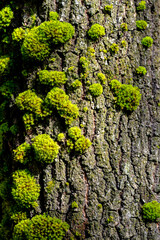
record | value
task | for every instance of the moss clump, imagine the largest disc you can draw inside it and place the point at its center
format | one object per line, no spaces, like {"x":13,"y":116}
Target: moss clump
{"x":141,"y":25}
{"x":4,"y":65}
{"x":25,"y":190}
{"x":58,"y":99}
{"x":82,"y":144}
{"x":40,"y":39}
{"x":28,"y":100}
{"x":28,"y":119}
{"x":141,"y":70}
{"x":53,"y":16}
{"x":127,"y":96}
{"x":60,"y":137}
{"x":74,"y":205}
{"x":40,"y":227}
{"x":52,"y":78}
{"x":114,"y":48}
{"x":96,"y":89}
{"x":124,"y":26}
{"x":6,"y":16}
{"x":151,"y":211}
{"x":147,"y":42}
{"x":141,"y":6}
{"x":19,"y":216}
{"x":74,"y":133}
{"x":45,"y":149}
{"x":123,"y":43}
{"x":18,"y":34}
{"x":102,"y":78}
{"x":22,"y":152}
{"x":96,"y":31}
{"x":108,"y":9}
{"x":76,"y":84}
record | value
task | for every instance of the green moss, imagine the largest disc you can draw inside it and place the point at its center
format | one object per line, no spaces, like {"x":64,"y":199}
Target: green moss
{"x":74,"y":205}
{"x":58,"y":99}
{"x":38,"y":41}
{"x":14,"y":129}
{"x":22,"y":152}
{"x":52,"y":78}
{"x":6,"y":16}
{"x":53,"y":16}
{"x":18,"y":216}
{"x":124,"y":26}
{"x":127,"y":96}
{"x":108,"y":9}
{"x":96,"y":31}
{"x":147,"y":42}
{"x":18,"y":34}
{"x":141,"y":6}
{"x":114,"y":48}
{"x":85,"y":109}
{"x":74,"y":133}
{"x":99,"y":206}
{"x":123,"y":43}
{"x":40,"y":227}
{"x":28,"y":119}
{"x":84,"y":63}
{"x":102,"y":78}
{"x":141,"y":25}
{"x":45,"y":149}
{"x":60,"y":137}
{"x":141,"y":70}
{"x":28,"y":100}
{"x":96,"y":89}
{"x":50,"y":186}
{"x":4,"y":65}
{"x":25,"y":190}
{"x":151,"y":211}
{"x":76,"y":84}
{"x":70,"y":145}
{"x":82,"y":144}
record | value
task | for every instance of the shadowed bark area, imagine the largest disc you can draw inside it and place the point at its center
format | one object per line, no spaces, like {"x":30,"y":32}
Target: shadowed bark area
{"x":121,"y":169}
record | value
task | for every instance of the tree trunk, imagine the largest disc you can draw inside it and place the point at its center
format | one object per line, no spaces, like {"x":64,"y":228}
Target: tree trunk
{"x":120,"y":171}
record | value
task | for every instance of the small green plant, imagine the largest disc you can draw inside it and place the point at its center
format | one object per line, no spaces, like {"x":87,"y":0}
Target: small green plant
{"x":22,"y":152}
{"x":38,"y":40}
{"x":85,"y":109}
{"x":151,"y":211}
{"x":28,"y":119}
{"x":74,"y":205}
{"x":147,"y":42}
{"x":108,"y":9}
{"x":4,"y":65}
{"x":141,"y":70}
{"x":96,"y":31}
{"x":28,"y":100}
{"x":25,"y":190}
{"x":127,"y":97}
{"x":76,"y":84}
{"x":53,"y":16}
{"x":6,"y":16}
{"x":141,"y":25}
{"x":123,"y":43}
{"x":114,"y":48}
{"x":82,"y":144}
{"x":18,"y":34}
{"x":141,"y":6}
{"x":40,"y":227}
{"x":124,"y":26}
{"x":58,"y":99}
{"x":101,"y":78}
{"x":18,"y":216}
{"x":45,"y":149}
{"x":60,"y":137}
{"x":96,"y":89}
{"x":52,"y":78}
{"x":74,"y":133}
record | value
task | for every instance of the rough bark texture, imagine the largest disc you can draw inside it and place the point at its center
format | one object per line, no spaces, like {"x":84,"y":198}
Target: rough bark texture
{"x":120,"y":171}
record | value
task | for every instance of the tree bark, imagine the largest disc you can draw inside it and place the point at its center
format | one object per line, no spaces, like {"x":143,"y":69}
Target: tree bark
{"x":121,"y":169}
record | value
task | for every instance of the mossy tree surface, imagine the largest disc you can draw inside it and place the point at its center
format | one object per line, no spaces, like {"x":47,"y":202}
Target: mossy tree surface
{"x":107,"y":161}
